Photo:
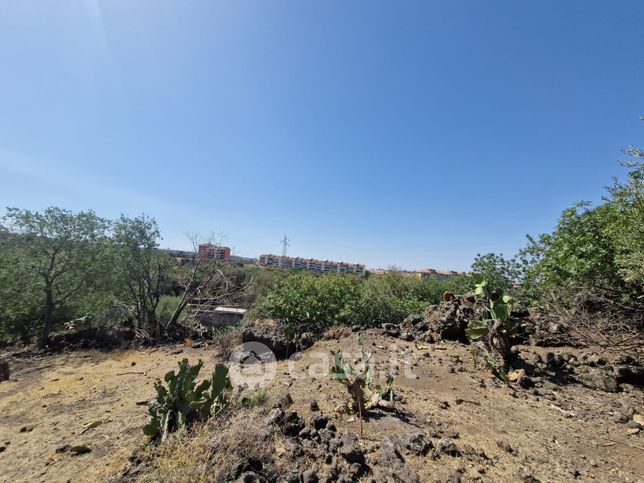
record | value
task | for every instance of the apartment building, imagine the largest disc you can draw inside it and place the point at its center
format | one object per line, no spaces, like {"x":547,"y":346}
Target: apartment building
{"x":213,"y":252}
{"x":318,"y":266}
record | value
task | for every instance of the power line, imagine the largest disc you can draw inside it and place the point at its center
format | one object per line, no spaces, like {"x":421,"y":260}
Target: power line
{"x":285,"y":243}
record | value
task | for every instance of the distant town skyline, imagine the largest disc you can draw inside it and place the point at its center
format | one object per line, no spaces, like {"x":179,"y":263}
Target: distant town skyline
{"x":413,"y":134}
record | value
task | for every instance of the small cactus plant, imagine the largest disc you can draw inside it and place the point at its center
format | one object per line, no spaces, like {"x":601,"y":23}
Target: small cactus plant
{"x":494,"y":330}
{"x":358,"y":379}
{"x":183,"y":401}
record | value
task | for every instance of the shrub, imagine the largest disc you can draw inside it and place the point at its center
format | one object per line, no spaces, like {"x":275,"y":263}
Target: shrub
{"x":392,"y":297}
{"x":167,"y":305}
{"x":310,"y":303}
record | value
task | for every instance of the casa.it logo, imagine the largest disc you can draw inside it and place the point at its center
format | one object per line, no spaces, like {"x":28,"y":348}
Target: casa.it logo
{"x":252,"y":363}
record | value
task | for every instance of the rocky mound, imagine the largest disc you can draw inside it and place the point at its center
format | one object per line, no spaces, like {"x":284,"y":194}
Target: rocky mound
{"x":446,"y":320}
{"x":274,"y":337}
{"x":295,"y":451}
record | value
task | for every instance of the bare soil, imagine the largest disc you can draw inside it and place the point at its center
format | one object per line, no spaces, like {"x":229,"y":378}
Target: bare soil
{"x":557,"y":433}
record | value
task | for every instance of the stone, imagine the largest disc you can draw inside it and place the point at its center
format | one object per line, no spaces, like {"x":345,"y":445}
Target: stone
{"x":350,"y":450}
{"x":514,"y":376}
{"x":448,"y":447}
{"x":4,"y":371}
{"x":505,"y":445}
{"x":574,"y":472}
{"x":526,"y":476}
{"x":274,"y":417}
{"x":310,"y":476}
{"x":274,"y":338}
{"x":284,"y":401}
{"x":418,"y":444}
{"x":307,"y":339}
{"x":594,"y":360}
{"x":554,"y":360}
{"x":599,"y":379}
{"x":250,"y":477}
{"x":406,"y":336}
{"x":413,"y":319}
{"x":291,"y":424}
{"x":391,"y":329}
{"x":314,"y":405}
{"x":320,"y":421}
{"x":390,"y":465}
{"x":620,"y":417}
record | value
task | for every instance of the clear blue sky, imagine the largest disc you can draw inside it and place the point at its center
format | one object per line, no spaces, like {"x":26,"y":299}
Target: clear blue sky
{"x":402,"y":133}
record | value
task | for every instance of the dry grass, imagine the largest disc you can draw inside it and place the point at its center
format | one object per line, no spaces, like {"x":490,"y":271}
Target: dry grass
{"x":210,"y":452}
{"x":226,"y":340}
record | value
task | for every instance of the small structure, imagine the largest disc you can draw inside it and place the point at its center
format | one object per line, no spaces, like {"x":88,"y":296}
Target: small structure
{"x":222,"y":316}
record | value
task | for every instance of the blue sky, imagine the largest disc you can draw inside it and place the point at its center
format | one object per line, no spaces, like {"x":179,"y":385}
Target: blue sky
{"x":414,"y":134}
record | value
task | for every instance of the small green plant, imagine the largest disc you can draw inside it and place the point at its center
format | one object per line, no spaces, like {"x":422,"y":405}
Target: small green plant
{"x":358,"y":379}
{"x":183,"y":401}
{"x":255,"y":399}
{"x":494,"y":330}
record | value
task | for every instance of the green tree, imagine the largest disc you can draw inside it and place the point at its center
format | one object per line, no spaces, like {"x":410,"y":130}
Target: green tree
{"x":56,"y":253}
{"x":499,"y":271}
{"x":142,"y":270}
{"x":595,"y":249}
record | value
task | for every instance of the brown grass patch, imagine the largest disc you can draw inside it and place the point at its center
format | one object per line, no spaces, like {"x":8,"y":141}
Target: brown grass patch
{"x":212,"y":451}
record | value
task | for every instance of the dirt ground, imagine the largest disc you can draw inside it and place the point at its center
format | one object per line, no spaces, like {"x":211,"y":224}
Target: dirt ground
{"x":50,"y":399}
{"x":557,"y":433}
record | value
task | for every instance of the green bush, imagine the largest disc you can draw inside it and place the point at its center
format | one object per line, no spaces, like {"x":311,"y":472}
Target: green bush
{"x":392,"y":297}
{"x":310,"y":303}
{"x":167,"y":306}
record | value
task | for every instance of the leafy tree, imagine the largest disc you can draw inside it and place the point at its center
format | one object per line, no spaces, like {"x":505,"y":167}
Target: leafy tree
{"x":20,"y":312}
{"x":56,"y":253}
{"x":499,"y":271}
{"x":598,"y":249}
{"x":141,"y":268}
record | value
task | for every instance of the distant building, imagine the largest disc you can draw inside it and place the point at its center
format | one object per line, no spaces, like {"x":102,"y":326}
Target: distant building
{"x":437,"y":274}
{"x":318,"y":266}
{"x":213,"y":252}
{"x":422,"y":273}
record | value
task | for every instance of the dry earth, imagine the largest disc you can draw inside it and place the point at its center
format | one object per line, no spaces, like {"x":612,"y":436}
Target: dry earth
{"x":558,"y":432}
